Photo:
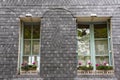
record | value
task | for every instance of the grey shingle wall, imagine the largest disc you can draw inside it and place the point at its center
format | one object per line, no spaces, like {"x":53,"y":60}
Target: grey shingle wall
{"x":57,"y":50}
{"x":60,"y":2}
{"x":116,"y":40}
{"x":8,"y":44}
{"x":58,"y":45}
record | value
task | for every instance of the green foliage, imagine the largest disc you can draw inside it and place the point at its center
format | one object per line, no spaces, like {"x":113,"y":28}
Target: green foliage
{"x":25,"y":67}
{"x":103,"y":67}
{"x":29,"y":67}
{"x":85,"y":68}
{"x":79,"y":33}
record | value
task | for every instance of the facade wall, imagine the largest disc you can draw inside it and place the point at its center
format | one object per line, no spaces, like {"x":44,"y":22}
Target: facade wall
{"x":11,"y":10}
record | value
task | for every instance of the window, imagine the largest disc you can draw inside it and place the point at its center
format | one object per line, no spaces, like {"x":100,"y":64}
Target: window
{"x":94,"y":45}
{"x":30,"y":47}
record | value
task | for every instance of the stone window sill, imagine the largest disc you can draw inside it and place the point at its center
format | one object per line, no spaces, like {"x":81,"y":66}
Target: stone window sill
{"x":97,"y":72}
{"x":30,"y":72}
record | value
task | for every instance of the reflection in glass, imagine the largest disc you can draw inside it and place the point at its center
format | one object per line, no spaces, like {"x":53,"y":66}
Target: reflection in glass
{"x":100,"y":31}
{"x":36,"y":47}
{"x":83,"y":59}
{"x":25,"y":59}
{"x":102,"y":59}
{"x":83,"y":40}
{"x":101,"y":47}
{"x":36,"y":59}
{"x":27,"y":32}
{"x":27,"y":47}
{"x":36,"y":31}
{"x":83,"y":44}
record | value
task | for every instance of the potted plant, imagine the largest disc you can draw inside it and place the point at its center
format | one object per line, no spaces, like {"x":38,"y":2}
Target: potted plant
{"x":85,"y":68}
{"x":104,"y":68}
{"x":25,"y":66}
{"x":28,"y":67}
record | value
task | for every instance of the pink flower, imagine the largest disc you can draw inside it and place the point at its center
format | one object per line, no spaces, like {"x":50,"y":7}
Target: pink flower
{"x":104,"y":63}
{"x":80,"y":63}
{"x":34,"y":63}
{"x":22,"y":64}
{"x":89,"y":63}
{"x":97,"y":64}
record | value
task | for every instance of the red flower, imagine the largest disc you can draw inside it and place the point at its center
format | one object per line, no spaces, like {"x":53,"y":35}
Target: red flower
{"x":97,"y":64}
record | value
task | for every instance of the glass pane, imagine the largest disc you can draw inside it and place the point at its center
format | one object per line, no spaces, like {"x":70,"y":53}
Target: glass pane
{"x":27,"y":31}
{"x":102,"y":59}
{"x":27,"y":50}
{"x":34,"y":59}
{"x":36,"y":31}
{"x":25,"y":59}
{"x":36,"y":47}
{"x":83,"y":40}
{"x":83,"y":59}
{"x":101,"y":47}
{"x":100,"y":31}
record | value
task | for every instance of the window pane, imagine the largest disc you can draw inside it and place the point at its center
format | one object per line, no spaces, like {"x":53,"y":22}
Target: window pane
{"x":83,"y":40}
{"x":101,"y":47}
{"x":83,"y":59}
{"x":25,"y":59}
{"x":36,"y":59}
{"x":100,"y":31}
{"x":102,"y":59}
{"x":27,"y":31}
{"x":27,"y":50}
{"x":36,"y":31}
{"x":36,"y":47}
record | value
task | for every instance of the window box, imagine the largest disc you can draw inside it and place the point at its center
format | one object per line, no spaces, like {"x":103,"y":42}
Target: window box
{"x":28,"y":69}
{"x":104,"y":67}
{"x":85,"y":68}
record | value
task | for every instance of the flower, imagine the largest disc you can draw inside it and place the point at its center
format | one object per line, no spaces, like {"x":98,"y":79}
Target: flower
{"x":97,"y":64}
{"x":107,"y":64}
{"x":22,"y":64}
{"x":28,"y":66}
{"x":104,"y":63}
{"x":89,"y":63}
{"x":34,"y":63}
{"x":79,"y":63}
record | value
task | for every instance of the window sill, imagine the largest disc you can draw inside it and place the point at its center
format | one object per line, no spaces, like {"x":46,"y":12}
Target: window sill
{"x":97,"y":72}
{"x":30,"y":72}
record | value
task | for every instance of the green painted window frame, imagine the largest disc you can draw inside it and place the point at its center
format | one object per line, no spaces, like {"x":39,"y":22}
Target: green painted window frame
{"x":92,"y":42}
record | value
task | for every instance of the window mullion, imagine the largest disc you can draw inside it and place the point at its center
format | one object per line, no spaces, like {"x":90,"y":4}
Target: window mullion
{"x":92,"y":46}
{"x":31,"y":41}
{"x":22,"y":42}
{"x":109,"y":46}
